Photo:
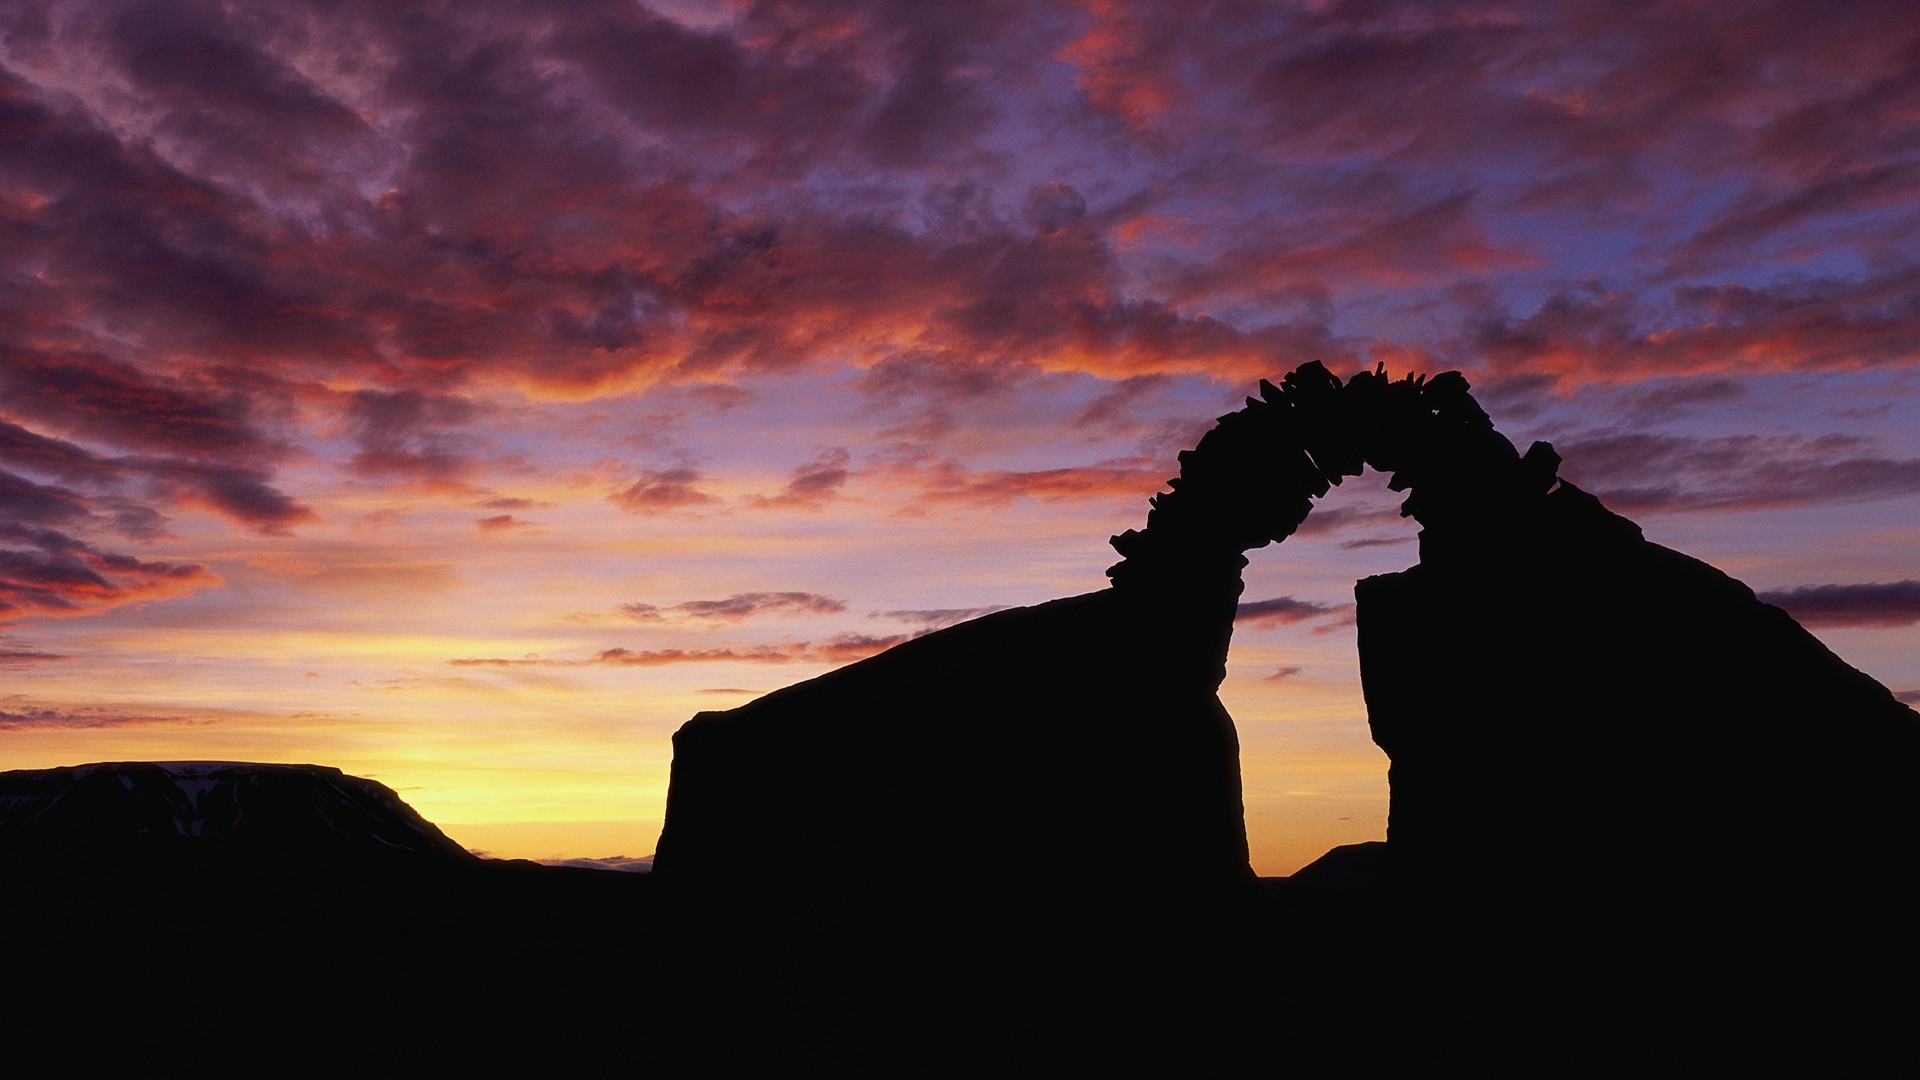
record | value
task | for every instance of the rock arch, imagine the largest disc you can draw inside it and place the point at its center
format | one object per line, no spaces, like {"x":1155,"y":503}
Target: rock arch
{"x":1253,"y":478}
{"x":1605,"y":756}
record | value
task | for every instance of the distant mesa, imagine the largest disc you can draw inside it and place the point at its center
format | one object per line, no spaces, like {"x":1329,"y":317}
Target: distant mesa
{"x":203,"y":809}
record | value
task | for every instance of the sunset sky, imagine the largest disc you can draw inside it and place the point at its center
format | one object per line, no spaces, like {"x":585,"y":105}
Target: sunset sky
{"x":465,"y":394}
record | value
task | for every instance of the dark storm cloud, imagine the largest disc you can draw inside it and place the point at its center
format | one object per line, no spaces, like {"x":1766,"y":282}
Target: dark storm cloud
{"x":1895,"y":603}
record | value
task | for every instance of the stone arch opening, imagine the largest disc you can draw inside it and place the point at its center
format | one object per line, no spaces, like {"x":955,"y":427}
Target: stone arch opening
{"x":1255,"y":477}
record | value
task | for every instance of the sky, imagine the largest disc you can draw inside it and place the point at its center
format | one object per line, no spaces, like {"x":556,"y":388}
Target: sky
{"x":465,"y":394}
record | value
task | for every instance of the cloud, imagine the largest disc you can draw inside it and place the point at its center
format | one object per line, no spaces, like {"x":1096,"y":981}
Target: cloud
{"x":500,"y":523}
{"x":1323,"y":520}
{"x":236,"y":491}
{"x":389,"y":202}
{"x":17,"y":716}
{"x":1280,"y":674}
{"x":373,"y":225}
{"x":1878,"y":604}
{"x":738,"y":607}
{"x":846,"y":648}
{"x":1908,"y":697}
{"x":18,"y":656}
{"x":1680,"y":399}
{"x":1640,"y":472}
{"x":409,"y":435}
{"x":1375,"y":541}
{"x":45,"y":573}
{"x":1831,"y":193}
{"x":659,"y":491}
{"x":814,"y":484}
{"x":838,"y":649}
{"x":1284,"y":610}
{"x":1591,"y":331}
{"x":930,"y":619}
{"x":95,"y":396}
{"x":642,"y":864}
{"x":1112,"y":409}
{"x":953,"y":484}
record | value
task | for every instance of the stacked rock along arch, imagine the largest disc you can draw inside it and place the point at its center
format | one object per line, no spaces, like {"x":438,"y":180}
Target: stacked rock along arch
{"x":1254,"y":477}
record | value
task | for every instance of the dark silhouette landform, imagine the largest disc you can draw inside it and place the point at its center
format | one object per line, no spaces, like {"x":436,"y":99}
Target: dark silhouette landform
{"x":1641,"y":824}
{"x":156,"y":810}
{"x":1639,"y":819}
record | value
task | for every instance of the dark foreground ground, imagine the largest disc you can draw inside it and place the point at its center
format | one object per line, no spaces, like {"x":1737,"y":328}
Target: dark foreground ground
{"x":515,"y":969}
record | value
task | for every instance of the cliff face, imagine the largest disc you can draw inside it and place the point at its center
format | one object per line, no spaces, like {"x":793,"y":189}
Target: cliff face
{"x":1612,"y":767}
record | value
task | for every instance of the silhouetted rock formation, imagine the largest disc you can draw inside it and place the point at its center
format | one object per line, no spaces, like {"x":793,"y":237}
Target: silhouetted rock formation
{"x":1635,"y":804}
{"x":1057,"y":747}
{"x":1640,"y":822}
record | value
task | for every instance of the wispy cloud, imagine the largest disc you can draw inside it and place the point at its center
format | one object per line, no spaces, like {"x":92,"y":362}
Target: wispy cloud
{"x":1888,"y":604}
{"x":838,"y":649}
{"x":1285,"y":610}
{"x":735,"y":608}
